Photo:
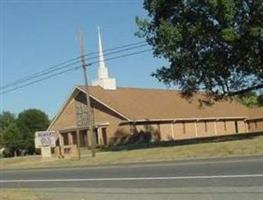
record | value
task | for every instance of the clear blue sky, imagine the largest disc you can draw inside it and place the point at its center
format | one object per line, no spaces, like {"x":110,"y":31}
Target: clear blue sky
{"x":37,"y":34}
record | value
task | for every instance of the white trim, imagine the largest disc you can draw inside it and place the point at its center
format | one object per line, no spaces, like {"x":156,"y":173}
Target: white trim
{"x":184,"y":119}
{"x":133,"y":178}
{"x":254,"y":118}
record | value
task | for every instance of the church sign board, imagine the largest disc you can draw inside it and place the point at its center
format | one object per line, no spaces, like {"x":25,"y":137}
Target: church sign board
{"x":45,"y":139}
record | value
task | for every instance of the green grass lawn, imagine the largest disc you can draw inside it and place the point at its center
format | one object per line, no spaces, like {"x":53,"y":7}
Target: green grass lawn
{"x":244,"y":147}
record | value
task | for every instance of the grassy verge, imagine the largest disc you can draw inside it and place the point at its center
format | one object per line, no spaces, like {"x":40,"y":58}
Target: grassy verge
{"x":18,"y":194}
{"x":253,"y":146}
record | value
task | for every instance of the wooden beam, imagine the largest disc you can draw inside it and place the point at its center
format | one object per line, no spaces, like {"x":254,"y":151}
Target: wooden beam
{"x":78,"y":138}
{"x":70,"y":138}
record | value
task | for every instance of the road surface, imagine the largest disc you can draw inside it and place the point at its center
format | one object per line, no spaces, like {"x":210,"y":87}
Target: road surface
{"x":229,"y":178}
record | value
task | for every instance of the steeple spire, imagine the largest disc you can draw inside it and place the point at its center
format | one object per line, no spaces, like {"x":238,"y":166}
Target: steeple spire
{"x":103,"y":75}
{"x":103,"y":71}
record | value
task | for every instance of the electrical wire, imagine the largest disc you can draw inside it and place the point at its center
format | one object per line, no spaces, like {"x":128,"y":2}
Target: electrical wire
{"x":71,"y":69}
{"x":70,"y":62}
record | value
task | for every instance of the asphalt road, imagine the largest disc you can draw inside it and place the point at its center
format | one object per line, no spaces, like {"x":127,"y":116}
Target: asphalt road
{"x":240,"y":178}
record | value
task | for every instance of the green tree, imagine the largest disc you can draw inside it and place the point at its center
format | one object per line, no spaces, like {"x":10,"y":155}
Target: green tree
{"x":13,"y":139}
{"x":210,"y":45}
{"x":6,"y":118}
{"x":28,"y":122}
{"x":251,"y":99}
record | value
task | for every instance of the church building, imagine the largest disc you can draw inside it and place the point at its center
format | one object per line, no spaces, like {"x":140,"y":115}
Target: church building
{"x":120,"y":111}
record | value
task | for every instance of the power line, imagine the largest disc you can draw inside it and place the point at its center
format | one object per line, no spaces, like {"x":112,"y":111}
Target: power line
{"x":39,"y":80}
{"x":37,"y":73}
{"x":51,"y":70}
{"x":119,"y":51}
{"x":71,"y":69}
{"x":67,"y":64}
{"x":118,"y":47}
{"x":124,"y":55}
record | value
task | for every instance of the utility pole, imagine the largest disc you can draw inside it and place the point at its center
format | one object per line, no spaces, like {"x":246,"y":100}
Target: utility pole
{"x":90,"y":117}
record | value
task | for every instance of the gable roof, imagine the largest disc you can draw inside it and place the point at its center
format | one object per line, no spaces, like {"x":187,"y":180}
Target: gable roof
{"x":136,"y":103}
{"x":74,"y":93}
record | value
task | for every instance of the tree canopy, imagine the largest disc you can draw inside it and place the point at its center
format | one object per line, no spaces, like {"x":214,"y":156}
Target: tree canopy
{"x":17,"y":132}
{"x":6,"y":118}
{"x":28,"y":122}
{"x":251,"y":99}
{"x":212,"y":45}
{"x":13,"y":139}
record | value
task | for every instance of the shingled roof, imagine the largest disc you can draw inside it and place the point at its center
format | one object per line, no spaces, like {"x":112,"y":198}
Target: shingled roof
{"x":136,"y":103}
{"x":256,"y":113}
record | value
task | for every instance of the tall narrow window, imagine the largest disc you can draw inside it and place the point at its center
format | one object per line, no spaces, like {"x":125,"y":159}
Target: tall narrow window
{"x":96,"y":136}
{"x":104,"y":136}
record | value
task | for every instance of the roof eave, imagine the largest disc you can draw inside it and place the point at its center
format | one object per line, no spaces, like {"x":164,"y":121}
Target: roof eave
{"x":72,"y":94}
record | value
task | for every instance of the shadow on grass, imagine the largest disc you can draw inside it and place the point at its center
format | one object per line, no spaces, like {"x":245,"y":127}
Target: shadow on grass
{"x":139,"y":143}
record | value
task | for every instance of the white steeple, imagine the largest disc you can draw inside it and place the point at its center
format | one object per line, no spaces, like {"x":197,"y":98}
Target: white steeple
{"x":103,"y":76}
{"x":103,"y":71}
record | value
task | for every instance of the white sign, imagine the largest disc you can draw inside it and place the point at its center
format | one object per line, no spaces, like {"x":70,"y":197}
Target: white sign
{"x":45,"y":139}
